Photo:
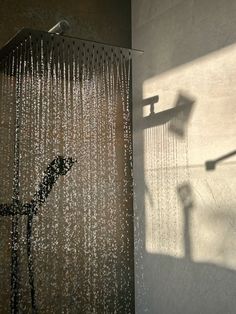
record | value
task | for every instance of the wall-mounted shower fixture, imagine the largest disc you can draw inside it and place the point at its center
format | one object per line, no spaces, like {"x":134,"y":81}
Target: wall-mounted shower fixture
{"x":60,"y":28}
{"x":58,"y":167}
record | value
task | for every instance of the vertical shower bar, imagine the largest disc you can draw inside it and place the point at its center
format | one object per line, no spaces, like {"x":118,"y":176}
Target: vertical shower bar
{"x":16,"y":191}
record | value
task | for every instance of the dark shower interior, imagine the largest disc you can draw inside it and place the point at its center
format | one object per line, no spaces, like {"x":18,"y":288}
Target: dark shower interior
{"x":117,"y":164}
{"x":66,"y":200}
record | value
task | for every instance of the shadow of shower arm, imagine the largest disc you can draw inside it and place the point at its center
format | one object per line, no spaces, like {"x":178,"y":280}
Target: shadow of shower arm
{"x":211,"y":164}
{"x":160,"y":118}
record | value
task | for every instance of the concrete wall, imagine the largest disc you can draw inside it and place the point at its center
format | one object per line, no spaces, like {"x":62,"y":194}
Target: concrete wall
{"x":185,"y":215}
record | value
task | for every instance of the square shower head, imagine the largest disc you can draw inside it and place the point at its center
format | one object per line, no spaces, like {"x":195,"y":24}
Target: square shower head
{"x":63,"y":96}
{"x":67,"y":45}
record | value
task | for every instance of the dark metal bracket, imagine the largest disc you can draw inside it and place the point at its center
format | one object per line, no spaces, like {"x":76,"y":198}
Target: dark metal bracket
{"x":59,"y":166}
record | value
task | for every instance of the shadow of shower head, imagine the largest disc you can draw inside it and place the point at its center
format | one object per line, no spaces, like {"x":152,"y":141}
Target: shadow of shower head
{"x":60,"y":28}
{"x":210,"y":165}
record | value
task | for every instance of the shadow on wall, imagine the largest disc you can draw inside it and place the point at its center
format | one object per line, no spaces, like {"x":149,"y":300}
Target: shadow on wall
{"x":185,"y":194}
{"x":211,"y":164}
{"x":178,"y":116}
{"x":181,"y":285}
{"x":187,"y":285}
{"x":179,"y":32}
{"x":183,"y":43}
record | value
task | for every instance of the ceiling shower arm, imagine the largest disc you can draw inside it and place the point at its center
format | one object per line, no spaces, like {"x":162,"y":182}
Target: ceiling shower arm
{"x":60,"y":28}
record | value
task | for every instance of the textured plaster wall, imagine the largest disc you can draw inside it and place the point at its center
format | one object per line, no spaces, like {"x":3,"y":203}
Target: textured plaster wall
{"x":185,"y":254}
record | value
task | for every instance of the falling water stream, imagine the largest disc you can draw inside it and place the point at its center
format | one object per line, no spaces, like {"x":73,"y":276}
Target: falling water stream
{"x":165,"y":163}
{"x":72,"y":99}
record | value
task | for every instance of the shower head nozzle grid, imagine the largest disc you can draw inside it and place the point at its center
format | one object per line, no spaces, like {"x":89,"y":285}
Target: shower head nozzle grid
{"x":66,"y":44}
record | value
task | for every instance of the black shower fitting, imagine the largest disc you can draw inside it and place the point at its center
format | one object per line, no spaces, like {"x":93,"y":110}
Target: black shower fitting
{"x":59,"y":166}
{"x":60,"y":28}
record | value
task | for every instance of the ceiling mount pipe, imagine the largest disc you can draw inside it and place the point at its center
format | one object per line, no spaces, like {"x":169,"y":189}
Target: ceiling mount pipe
{"x":60,"y":28}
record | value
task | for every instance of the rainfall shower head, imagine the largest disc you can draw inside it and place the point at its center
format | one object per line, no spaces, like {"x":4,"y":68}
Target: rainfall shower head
{"x":58,"y":47}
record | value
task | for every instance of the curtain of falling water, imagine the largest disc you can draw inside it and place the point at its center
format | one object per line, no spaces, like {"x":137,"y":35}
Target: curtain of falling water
{"x":71,"y":100}
{"x":166,"y":164}
{"x":7,"y":88}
